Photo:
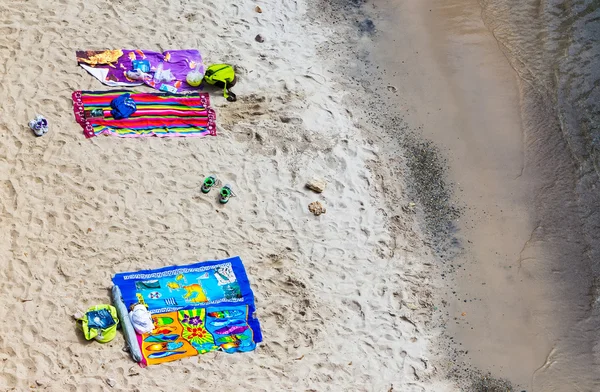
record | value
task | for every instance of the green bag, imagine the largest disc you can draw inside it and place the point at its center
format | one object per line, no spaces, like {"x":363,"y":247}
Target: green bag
{"x":103,"y":335}
{"x":222,"y":75}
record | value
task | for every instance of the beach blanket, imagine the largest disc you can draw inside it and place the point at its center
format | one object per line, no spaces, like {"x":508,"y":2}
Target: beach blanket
{"x":196,"y":309}
{"x":157,"y":114}
{"x":111,"y":66}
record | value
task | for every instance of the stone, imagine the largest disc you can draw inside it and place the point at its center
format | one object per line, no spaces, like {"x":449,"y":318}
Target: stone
{"x":42,"y":382}
{"x":316,"y":208}
{"x":259,"y":38}
{"x":111,"y":382}
{"x":316,"y":184}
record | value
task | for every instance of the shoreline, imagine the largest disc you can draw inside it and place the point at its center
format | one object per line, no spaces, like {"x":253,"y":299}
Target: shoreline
{"x":515,"y":283}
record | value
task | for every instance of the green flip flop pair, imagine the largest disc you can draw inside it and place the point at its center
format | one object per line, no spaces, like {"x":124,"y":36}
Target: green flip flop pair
{"x":224,"y":194}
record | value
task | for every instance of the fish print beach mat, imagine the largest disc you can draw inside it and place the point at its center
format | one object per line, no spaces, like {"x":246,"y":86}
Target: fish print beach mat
{"x":196,"y":309}
{"x":111,"y":66}
{"x":157,"y":114}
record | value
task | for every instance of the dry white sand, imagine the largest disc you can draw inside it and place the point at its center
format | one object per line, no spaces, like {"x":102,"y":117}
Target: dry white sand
{"x":342,"y":298}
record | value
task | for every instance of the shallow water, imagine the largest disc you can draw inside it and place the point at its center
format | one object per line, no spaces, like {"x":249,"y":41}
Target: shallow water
{"x":554,"y":46}
{"x":519,"y":128}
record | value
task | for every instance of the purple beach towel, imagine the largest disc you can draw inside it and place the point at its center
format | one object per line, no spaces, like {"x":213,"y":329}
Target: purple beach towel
{"x":111,"y":67}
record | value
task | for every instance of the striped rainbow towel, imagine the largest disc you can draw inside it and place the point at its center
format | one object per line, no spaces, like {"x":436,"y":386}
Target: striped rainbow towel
{"x":157,"y":114}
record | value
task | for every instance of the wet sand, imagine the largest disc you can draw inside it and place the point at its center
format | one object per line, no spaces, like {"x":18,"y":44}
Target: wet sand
{"x":518,"y":289}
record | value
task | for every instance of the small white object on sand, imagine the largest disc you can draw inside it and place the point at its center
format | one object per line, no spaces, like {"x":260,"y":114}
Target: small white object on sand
{"x":141,"y":319}
{"x":316,"y":184}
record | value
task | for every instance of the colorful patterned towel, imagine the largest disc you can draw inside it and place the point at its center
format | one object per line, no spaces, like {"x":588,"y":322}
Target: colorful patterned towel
{"x":111,"y":66}
{"x":196,"y":308}
{"x":157,"y":114}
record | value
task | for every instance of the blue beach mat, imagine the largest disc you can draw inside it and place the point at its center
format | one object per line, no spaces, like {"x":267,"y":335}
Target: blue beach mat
{"x":196,"y":308}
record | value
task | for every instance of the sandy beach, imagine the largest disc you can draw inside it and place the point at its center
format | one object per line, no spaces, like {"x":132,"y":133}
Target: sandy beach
{"x":344,"y":298}
{"x":409,"y":110}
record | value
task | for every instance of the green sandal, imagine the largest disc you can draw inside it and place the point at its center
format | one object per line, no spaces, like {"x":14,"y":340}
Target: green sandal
{"x":225,"y":194}
{"x":208,"y":184}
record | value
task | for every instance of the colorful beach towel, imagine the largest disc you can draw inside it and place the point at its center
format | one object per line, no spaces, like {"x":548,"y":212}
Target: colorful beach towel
{"x":157,"y":114}
{"x":111,"y":67}
{"x":196,"y":308}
